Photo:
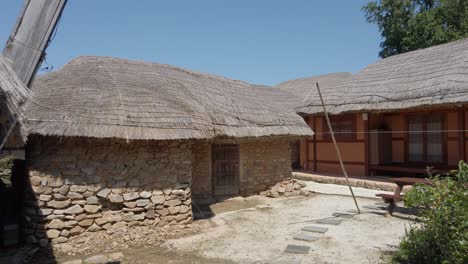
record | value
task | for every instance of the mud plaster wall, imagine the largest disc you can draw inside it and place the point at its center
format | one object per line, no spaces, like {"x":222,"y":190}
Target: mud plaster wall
{"x":262,"y":163}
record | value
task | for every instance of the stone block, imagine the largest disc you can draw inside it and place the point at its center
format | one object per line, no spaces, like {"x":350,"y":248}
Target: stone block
{"x":145,"y":194}
{"x":64,"y":190}
{"x":53,"y":233}
{"x":75,"y":195}
{"x":58,"y":204}
{"x":45,"y":198}
{"x":78,"y":188}
{"x":158,"y":199}
{"x":92,"y":208}
{"x":86,"y":222}
{"x":93,"y":200}
{"x":94,"y":228}
{"x":115,"y":198}
{"x":142,"y":202}
{"x":59,"y":197}
{"x":174,"y":210}
{"x":130,"y":204}
{"x":104,"y":193}
{"x":74,"y":210}
{"x":100,"y":221}
{"x":35,"y":180}
{"x":56,"y":224}
{"x":171,"y":203}
{"x":131,"y":196}
{"x":76,"y":230}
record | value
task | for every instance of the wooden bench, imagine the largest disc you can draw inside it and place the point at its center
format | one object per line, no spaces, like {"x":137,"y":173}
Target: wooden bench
{"x":392,"y":199}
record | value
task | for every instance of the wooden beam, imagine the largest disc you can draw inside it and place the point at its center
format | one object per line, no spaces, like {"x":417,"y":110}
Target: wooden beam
{"x":30,"y":36}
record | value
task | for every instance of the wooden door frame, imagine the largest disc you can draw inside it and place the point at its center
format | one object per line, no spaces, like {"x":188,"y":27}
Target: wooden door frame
{"x":213,"y":181}
{"x":424,"y":116}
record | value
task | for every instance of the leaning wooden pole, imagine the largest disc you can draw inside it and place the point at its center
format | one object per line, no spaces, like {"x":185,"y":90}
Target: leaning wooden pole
{"x":338,"y":153}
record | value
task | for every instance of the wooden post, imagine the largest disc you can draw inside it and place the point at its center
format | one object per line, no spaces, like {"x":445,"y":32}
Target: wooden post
{"x":315,"y":145}
{"x":461,"y":133}
{"x":366,"y":143}
{"x":338,"y":153}
{"x":306,"y":167}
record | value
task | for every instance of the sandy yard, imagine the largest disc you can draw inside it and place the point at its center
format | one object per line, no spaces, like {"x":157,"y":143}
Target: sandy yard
{"x":261,"y":234}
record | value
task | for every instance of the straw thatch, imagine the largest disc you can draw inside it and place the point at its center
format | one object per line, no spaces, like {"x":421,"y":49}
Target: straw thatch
{"x":13,"y":93}
{"x":106,"y":97}
{"x":12,"y":90}
{"x":305,"y":97}
{"x":434,"y":76}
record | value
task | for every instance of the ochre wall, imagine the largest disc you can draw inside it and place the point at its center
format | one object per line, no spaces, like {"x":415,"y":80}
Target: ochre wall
{"x":453,"y":138}
{"x":324,"y":158}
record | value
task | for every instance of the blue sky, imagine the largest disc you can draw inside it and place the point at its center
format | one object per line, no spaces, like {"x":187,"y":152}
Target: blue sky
{"x":258,"y":41}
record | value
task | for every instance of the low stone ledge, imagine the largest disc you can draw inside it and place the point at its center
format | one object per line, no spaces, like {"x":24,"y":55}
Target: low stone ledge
{"x":362,"y":183}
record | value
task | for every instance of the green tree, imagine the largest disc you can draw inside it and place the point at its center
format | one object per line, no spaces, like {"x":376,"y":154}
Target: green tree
{"x":407,"y":25}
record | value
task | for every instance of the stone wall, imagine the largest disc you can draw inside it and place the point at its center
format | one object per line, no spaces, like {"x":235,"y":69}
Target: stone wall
{"x":263,"y":163}
{"x":201,"y":170}
{"x":85,"y":185}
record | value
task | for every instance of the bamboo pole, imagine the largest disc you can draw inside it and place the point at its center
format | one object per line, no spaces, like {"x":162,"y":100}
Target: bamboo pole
{"x":338,"y":153}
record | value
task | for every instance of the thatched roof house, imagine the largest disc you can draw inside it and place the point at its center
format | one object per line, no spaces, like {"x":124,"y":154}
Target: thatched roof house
{"x":397,"y":115}
{"x":305,"y":92}
{"x":104,"y":97}
{"x":142,"y":138}
{"x":426,"y":77}
{"x":13,"y":93}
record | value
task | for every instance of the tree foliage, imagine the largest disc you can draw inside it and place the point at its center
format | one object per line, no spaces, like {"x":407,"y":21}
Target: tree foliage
{"x":407,"y":25}
{"x":442,"y":235}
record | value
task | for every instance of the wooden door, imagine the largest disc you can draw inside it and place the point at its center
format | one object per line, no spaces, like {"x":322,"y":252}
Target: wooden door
{"x":225,"y":169}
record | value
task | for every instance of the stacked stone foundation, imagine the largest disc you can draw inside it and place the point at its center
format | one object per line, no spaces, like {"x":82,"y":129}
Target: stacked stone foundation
{"x":82,"y":185}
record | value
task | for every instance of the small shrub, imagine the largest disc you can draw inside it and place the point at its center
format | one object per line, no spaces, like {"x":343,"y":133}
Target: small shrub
{"x":442,"y":235}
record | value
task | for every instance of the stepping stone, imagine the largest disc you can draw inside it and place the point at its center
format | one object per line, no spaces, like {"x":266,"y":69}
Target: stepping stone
{"x":297,"y":249}
{"x":315,"y":229}
{"x":343,"y":215}
{"x":306,"y":237}
{"x":332,"y":221}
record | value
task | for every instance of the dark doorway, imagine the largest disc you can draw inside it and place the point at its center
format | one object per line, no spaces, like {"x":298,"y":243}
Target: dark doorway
{"x":225,"y":169}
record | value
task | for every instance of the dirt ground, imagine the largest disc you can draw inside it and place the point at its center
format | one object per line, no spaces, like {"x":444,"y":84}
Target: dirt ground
{"x":260,"y":235}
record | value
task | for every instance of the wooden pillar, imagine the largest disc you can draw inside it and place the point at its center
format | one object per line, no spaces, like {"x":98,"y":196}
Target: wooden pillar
{"x":315,"y":144}
{"x":366,"y":119}
{"x":461,"y":133}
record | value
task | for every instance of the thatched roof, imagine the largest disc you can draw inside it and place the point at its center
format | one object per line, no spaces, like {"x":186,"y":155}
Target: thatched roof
{"x":12,"y":91}
{"x":305,"y":96}
{"x":105,"y":97}
{"x":433,"y":76}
